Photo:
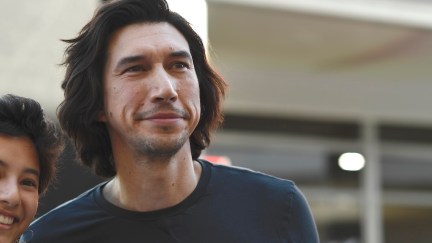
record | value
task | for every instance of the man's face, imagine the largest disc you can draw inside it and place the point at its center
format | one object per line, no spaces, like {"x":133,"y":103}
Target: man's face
{"x":151,"y":91}
{"x":19,"y":181}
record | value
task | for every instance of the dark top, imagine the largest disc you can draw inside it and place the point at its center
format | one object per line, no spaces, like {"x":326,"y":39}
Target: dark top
{"x":229,"y":204}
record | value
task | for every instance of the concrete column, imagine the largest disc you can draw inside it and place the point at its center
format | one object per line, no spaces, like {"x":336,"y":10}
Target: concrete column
{"x":372,"y":220}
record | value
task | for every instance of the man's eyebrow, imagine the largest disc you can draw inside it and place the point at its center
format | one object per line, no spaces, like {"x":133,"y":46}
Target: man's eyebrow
{"x":184,"y":54}
{"x":132,"y":59}
{"x":129,"y":59}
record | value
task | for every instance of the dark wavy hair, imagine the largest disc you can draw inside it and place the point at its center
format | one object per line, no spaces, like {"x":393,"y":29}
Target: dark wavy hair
{"x":85,"y":59}
{"x":24,"y":117}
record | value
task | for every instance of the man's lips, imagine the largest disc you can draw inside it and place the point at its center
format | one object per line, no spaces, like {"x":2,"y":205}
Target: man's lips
{"x":161,"y":116}
{"x":164,"y":118}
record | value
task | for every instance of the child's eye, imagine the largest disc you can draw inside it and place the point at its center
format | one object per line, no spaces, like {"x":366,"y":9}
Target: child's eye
{"x":29,"y":183}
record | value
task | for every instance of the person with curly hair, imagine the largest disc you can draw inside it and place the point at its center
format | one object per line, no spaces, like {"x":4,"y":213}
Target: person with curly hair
{"x":30,"y":145}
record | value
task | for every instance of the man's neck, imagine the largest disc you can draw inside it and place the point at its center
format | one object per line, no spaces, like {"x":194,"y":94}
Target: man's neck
{"x":151,"y":185}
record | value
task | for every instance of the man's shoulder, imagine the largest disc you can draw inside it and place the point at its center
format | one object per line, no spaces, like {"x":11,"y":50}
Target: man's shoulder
{"x":245,"y":178}
{"x":243,"y":173}
{"x":237,"y":186}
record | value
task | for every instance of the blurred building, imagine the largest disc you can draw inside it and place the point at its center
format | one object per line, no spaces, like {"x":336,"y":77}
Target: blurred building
{"x":309,"y":80}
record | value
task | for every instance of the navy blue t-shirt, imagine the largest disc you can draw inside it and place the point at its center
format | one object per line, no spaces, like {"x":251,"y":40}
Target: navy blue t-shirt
{"x":229,"y":204}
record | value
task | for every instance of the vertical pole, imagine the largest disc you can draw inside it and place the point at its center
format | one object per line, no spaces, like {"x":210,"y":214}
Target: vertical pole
{"x":372,"y":222}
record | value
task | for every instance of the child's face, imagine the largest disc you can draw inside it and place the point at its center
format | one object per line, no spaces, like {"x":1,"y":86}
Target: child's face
{"x":19,"y":182}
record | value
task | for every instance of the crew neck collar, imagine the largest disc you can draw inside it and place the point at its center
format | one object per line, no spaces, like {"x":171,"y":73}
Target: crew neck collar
{"x":152,"y":215}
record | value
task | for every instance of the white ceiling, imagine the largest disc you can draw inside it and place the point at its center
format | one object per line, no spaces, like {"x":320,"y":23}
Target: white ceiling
{"x":289,"y":63}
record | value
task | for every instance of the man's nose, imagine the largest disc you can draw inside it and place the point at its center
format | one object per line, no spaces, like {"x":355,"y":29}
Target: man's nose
{"x":9,"y":194}
{"x":164,"y":86}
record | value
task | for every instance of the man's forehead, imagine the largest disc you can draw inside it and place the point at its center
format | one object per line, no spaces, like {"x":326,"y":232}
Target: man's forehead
{"x":151,"y":34}
{"x":147,"y":40}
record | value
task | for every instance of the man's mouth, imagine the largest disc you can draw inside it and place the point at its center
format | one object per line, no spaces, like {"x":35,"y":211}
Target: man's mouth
{"x":6,"y":220}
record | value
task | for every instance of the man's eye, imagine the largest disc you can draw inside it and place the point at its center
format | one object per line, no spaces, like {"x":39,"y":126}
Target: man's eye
{"x":134,"y":69}
{"x":181,"y":65}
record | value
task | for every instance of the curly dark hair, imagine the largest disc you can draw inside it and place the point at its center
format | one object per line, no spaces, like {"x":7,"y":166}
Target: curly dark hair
{"x":24,"y":117}
{"x":85,"y":59}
